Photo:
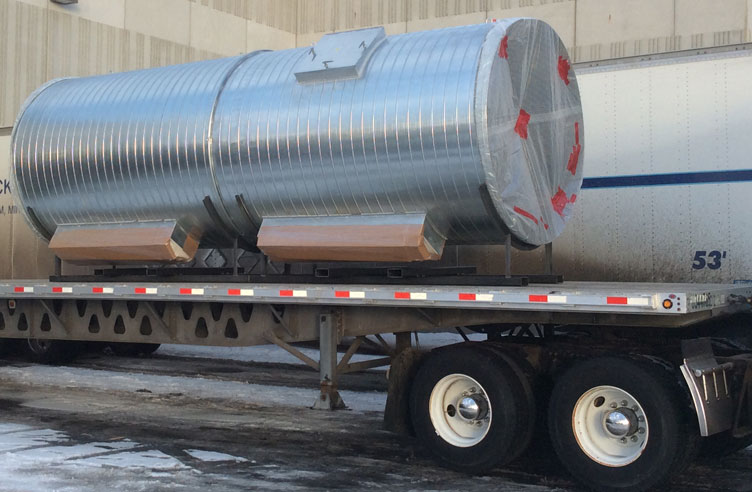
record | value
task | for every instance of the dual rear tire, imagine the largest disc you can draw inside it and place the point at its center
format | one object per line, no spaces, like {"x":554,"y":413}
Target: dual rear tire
{"x":615,"y":423}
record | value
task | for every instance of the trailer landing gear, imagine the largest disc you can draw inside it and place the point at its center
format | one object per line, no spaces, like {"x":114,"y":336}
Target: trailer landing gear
{"x":329,"y":399}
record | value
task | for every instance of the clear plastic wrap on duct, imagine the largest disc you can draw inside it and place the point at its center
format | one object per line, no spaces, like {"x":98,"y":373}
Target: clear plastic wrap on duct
{"x":532,"y":147}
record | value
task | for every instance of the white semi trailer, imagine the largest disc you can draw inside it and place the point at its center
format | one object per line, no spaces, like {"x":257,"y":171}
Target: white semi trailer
{"x":643,"y":374}
{"x":668,"y":177}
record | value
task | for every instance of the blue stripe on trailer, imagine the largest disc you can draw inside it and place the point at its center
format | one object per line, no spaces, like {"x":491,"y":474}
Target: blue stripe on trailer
{"x":668,"y":179}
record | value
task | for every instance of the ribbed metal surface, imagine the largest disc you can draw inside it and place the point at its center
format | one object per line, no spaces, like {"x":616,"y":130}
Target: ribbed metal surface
{"x":429,"y":124}
{"x":124,"y":147}
{"x":399,"y":140}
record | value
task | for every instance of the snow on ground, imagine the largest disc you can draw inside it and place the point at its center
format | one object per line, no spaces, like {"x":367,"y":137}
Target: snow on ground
{"x":195,"y":387}
{"x":150,"y":459}
{"x":36,"y":460}
{"x":212,"y":456}
{"x":124,"y":464}
{"x":274,"y":354}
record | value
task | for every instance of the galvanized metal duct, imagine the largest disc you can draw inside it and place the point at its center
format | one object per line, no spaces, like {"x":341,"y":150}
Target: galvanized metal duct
{"x":472,"y":133}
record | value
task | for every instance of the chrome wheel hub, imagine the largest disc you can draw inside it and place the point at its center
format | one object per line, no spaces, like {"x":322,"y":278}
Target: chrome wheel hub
{"x":460,"y":411}
{"x":473,"y":407}
{"x":621,"y":422}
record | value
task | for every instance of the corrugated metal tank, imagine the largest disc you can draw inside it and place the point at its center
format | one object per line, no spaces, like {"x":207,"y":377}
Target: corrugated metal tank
{"x":475,"y":129}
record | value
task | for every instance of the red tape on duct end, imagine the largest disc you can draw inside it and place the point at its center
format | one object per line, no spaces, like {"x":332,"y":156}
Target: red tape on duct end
{"x":525,"y":213}
{"x":520,"y":128}
{"x":504,"y":47}
{"x":564,"y":67}
{"x":574,"y":157}
{"x":560,"y":201}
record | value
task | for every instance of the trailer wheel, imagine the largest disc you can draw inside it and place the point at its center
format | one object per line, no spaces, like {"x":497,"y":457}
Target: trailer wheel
{"x":134,"y":349}
{"x":621,"y":424}
{"x":45,"y":351}
{"x":468,"y":409}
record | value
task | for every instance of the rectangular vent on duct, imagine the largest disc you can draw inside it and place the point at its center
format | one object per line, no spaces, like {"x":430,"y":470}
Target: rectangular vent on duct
{"x":148,"y":241}
{"x":387,"y":238}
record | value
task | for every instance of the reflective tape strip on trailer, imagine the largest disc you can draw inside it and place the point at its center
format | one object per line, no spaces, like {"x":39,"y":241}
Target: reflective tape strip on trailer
{"x":576,"y":298}
{"x":240,"y":292}
{"x":470,"y":296}
{"x":293,"y":293}
{"x":628,"y":301}
{"x":189,"y":291}
{"x":546,"y":298}
{"x":412,"y":296}
{"x":349,"y":294}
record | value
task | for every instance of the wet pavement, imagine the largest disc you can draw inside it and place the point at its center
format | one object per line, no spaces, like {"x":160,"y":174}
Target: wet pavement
{"x":179,"y":423}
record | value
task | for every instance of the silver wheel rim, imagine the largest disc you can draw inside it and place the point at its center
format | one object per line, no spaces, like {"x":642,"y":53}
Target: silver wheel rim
{"x":460,"y":411}
{"x":610,"y":426}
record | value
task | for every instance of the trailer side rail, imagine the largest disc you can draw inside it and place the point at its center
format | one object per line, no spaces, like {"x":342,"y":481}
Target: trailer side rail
{"x":596,"y":297}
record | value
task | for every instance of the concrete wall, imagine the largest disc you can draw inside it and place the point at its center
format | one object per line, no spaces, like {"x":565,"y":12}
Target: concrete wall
{"x":591,"y":29}
{"x":40,"y":40}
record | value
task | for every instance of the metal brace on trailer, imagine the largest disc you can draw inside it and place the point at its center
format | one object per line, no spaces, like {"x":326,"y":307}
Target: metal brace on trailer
{"x":708,"y":384}
{"x":51,"y":313}
{"x":159,"y":321}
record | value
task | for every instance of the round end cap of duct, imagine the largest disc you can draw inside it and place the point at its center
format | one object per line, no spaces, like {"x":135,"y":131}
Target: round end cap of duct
{"x":531,"y":136}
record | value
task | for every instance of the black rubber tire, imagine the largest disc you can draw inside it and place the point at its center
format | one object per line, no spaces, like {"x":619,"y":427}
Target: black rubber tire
{"x":509,"y":423}
{"x":6,"y":347}
{"x":134,"y":349}
{"x":52,"y":351}
{"x":529,"y":384}
{"x":723,"y":444}
{"x":673,"y":432}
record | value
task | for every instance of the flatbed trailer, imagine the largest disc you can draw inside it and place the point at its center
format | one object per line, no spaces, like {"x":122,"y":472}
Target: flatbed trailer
{"x":475,"y":404}
{"x":630,"y":337}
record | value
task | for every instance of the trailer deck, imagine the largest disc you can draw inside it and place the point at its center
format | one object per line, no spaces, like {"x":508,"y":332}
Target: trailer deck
{"x":592,"y":297}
